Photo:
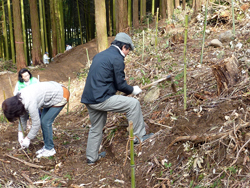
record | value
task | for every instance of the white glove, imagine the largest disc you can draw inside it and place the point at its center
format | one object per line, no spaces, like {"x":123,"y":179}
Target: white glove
{"x":136,"y":90}
{"x":25,"y":142}
{"x":20,"y":136}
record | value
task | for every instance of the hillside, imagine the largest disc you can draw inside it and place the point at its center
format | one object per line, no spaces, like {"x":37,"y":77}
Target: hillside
{"x":205,"y":145}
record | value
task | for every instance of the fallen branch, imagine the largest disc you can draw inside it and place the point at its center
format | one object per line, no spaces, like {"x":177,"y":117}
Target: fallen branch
{"x":26,"y":163}
{"x":5,"y":161}
{"x":204,"y":138}
{"x":29,"y":180}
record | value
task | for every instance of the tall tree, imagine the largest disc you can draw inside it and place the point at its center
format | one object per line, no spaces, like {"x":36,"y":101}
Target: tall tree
{"x":129,"y":13}
{"x":42,"y":25}
{"x":114,"y":17}
{"x":196,"y":6}
{"x":121,"y":15}
{"x":36,"y":37}
{"x":53,"y":27}
{"x":79,"y":17}
{"x":5,"y":33}
{"x":176,"y":3}
{"x":11,"y":34}
{"x":170,"y":7}
{"x":163,"y":7}
{"x":24,"y":33}
{"x":135,"y":13}
{"x":20,"y":58}
{"x":143,"y":9}
{"x":100,"y":21}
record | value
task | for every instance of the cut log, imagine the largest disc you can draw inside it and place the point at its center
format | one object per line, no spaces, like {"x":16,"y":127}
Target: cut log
{"x":226,"y":73}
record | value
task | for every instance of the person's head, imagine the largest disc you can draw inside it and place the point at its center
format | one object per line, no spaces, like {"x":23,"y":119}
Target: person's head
{"x":46,"y":53}
{"x":24,"y":75}
{"x":13,"y":108}
{"x":124,"y":42}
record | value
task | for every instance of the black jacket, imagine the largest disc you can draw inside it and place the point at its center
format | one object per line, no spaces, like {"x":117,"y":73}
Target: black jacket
{"x":106,"y":76}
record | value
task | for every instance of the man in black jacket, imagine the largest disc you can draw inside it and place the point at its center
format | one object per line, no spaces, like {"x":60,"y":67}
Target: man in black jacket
{"x":106,"y":76}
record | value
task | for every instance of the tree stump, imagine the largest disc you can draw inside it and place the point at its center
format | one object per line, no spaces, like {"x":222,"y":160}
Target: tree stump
{"x":226,"y":73}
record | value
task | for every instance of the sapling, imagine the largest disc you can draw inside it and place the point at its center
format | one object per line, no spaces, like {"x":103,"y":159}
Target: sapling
{"x":185,"y":63}
{"x":204,"y":31}
{"x":132,"y":160}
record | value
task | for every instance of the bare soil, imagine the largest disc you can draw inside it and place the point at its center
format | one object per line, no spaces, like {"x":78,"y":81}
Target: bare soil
{"x":185,"y":150}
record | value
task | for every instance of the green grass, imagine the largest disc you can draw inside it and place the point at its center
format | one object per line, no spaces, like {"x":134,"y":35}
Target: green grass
{"x":46,"y":177}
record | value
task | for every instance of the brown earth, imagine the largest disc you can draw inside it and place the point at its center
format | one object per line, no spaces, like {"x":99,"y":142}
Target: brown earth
{"x":191,"y":148}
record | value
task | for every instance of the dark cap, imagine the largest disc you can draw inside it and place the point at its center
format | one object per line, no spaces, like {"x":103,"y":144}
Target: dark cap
{"x":123,"y":37}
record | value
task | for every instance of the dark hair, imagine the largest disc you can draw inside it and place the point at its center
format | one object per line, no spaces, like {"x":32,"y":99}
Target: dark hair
{"x":21,"y":72}
{"x":13,"y":108}
{"x":121,"y":44}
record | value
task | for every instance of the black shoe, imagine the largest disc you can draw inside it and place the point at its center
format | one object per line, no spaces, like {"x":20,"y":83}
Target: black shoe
{"x":101,"y":155}
{"x":145,"y":137}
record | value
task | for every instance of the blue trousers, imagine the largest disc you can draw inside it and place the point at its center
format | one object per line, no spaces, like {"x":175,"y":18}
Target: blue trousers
{"x":47,"y":118}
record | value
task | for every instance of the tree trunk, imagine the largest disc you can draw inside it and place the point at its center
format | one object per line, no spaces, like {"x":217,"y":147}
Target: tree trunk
{"x":36,"y":37}
{"x":129,"y":13}
{"x":183,"y":4}
{"x":5,"y":34}
{"x":170,"y":7}
{"x":11,"y":34}
{"x":135,"y":14}
{"x":143,"y":9}
{"x":53,"y":27}
{"x":114,"y":17}
{"x":196,"y":6}
{"x":177,"y":3}
{"x":20,"y":57}
{"x":79,"y":18}
{"x":121,"y":15}
{"x":100,"y":21}
{"x":163,"y":9}
{"x":41,"y":25}
{"x":24,"y":33}
{"x":226,"y":73}
{"x":109,"y":19}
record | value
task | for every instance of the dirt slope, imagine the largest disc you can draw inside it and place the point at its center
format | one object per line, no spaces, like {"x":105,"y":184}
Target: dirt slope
{"x":203,"y":146}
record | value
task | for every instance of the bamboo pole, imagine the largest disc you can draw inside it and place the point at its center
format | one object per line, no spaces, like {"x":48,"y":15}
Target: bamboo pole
{"x":129,"y":13}
{"x":24,"y":33}
{"x":156,"y":28}
{"x":132,"y":160}
{"x":185,"y":63}
{"x":233,"y":17}
{"x":45,"y":29}
{"x":62,"y":25}
{"x":143,"y":44}
{"x":153,"y":7}
{"x":2,"y":47}
{"x":204,"y":32}
{"x":79,"y":18}
{"x":114,"y":21}
{"x":41,"y":25}
{"x":11,"y":34}
{"x":87,"y":54}
{"x":5,"y":34}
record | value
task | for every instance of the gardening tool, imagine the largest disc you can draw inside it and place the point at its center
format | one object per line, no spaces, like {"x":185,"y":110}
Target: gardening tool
{"x":168,"y":78}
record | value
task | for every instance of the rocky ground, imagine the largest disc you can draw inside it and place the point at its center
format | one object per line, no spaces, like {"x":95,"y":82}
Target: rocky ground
{"x":205,"y":145}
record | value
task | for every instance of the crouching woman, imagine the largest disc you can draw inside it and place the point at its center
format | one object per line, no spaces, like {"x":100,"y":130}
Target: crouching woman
{"x":52,"y":97}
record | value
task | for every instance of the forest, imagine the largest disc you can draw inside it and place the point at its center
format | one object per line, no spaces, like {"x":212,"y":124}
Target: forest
{"x":191,"y":60}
